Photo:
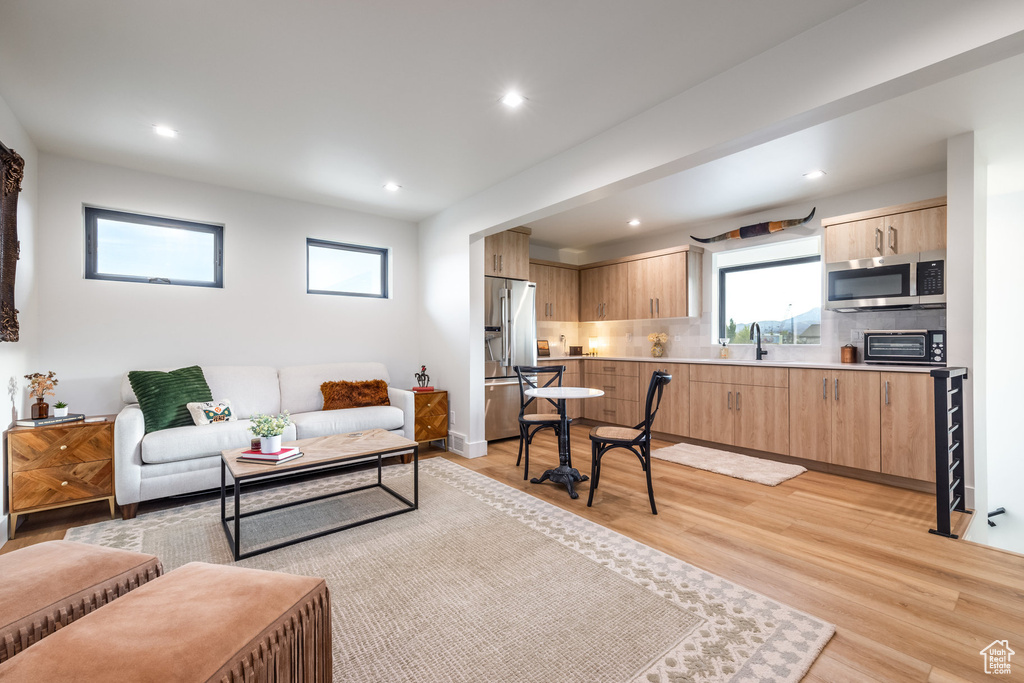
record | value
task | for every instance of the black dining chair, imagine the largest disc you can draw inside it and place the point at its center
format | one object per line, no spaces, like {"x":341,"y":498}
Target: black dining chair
{"x":532,"y":377}
{"x":636,"y":439}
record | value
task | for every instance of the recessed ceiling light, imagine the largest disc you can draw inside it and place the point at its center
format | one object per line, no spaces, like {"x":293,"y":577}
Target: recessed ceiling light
{"x":165,"y":131}
{"x":811,"y":175}
{"x":635,"y":222}
{"x":392,"y":187}
{"x":512,"y":99}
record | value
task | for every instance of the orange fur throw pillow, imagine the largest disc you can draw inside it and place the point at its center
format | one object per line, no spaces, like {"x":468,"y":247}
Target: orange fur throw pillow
{"x":343,"y":394}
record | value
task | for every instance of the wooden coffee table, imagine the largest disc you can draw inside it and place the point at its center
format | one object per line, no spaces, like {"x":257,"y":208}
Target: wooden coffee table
{"x":323,"y":453}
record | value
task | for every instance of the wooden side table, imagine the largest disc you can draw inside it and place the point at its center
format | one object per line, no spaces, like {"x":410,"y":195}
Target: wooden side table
{"x":58,"y":466}
{"x":431,"y":417}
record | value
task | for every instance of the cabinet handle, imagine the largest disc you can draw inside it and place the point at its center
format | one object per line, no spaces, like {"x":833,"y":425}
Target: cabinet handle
{"x":657,"y":305}
{"x":494,"y":263}
{"x":552,"y":305}
{"x":730,"y":400}
{"x":878,"y":240}
{"x":836,"y":390}
{"x":824,"y":388}
{"x":501,"y":263}
{"x":892,"y":239}
{"x":886,"y":392}
{"x":652,"y":308}
{"x":63,"y":483}
{"x":738,"y":394}
{"x":64,"y":447}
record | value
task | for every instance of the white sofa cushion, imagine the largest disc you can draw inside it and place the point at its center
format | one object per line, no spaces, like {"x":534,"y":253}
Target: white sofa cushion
{"x":327,"y":422}
{"x":251,"y":389}
{"x":198,"y":441}
{"x":300,"y":384}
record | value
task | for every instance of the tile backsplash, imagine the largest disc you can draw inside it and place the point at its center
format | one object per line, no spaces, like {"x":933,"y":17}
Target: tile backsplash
{"x":691,"y":337}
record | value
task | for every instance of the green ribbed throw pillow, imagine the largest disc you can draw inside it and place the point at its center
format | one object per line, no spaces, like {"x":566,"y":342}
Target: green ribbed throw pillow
{"x":164,"y":396}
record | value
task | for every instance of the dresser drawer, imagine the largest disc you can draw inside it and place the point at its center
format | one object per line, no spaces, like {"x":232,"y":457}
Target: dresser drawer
{"x":431,"y":416}
{"x":432,"y":404}
{"x":617,"y":368}
{"x":740,"y":374}
{"x":44,"y":447}
{"x":52,"y":485}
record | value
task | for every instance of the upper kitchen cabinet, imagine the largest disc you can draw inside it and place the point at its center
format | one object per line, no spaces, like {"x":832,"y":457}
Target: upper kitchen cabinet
{"x":603,"y":293}
{"x":903,"y":229}
{"x":507,"y":254}
{"x":558,"y":291}
{"x":662,"y":284}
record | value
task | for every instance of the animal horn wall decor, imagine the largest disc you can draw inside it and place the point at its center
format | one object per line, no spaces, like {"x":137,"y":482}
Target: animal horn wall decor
{"x":756,"y":230}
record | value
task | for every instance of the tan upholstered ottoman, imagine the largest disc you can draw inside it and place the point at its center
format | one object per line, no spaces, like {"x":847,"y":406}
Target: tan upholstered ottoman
{"x":45,"y":587}
{"x":202,"y":622}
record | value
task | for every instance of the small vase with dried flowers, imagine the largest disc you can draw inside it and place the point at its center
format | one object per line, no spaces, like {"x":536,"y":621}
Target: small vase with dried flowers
{"x":39,"y":387}
{"x":657,"y":340}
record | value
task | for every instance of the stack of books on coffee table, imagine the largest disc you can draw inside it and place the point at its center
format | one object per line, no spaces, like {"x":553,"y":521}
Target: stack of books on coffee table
{"x":261,"y":458}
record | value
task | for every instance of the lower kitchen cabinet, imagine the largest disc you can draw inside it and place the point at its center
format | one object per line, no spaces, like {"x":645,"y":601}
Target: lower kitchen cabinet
{"x":907,"y":426}
{"x":750,"y":416}
{"x":618,"y":381}
{"x":835,"y":417}
{"x":674,"y":414}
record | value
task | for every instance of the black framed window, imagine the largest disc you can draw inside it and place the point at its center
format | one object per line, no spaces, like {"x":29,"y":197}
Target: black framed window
{"x":783,"y":297}
{"x":346,"y":269}
{"x":133,"y":247}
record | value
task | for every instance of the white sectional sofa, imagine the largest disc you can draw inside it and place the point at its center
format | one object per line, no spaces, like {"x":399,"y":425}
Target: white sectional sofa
{"x":187,"y":459}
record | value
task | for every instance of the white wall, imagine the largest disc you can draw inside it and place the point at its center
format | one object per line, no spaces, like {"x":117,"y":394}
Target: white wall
{"x":19,"y":358}
{"x":92,"y":331}
{"x":1004,"y":329}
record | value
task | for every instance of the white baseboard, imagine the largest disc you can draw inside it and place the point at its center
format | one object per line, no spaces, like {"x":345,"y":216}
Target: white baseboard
{"x":3,"y":529}
{"x":475,"y":449}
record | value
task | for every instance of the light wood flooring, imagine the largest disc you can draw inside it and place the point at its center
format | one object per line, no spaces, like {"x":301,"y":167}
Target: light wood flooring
{"x":908,"y":605}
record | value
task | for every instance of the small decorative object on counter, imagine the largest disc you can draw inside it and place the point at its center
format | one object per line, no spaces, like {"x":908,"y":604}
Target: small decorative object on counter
{"x":269,"y":428}
{"x":422,"y":378}
{"x":60,"y":409}
{"x":849,"y":354}
{"x":40,"y":386}
{"x":657,"y":340}
{"x":724,"y":351}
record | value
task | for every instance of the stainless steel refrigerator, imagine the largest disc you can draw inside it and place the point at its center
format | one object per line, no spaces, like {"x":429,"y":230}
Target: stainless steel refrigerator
{"x":510,"y":339}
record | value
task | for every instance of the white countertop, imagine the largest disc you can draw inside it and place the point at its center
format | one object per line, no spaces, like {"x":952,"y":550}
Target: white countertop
{"x":564,"y":392}
{"x":823,"y":365}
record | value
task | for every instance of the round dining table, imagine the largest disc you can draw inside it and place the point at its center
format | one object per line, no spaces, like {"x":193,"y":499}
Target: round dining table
{"x":565,"y":473}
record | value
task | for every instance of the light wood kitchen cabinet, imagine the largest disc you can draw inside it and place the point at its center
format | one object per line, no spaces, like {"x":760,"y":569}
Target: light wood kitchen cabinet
{"x":618,"y":381}
{"x":907,"y":426}
{"x":753,"y":415}
{"x":603,"y":293}
{"x":557,"y":292}
{"x":903,"y":229}
{"x":674,"y":413}
{"x":657,"y":287}
{"x":914,"y":231}
{"x":856,"y":419}
{"x":507,"y":254}
{"x":810,"y":412}
{"x":855,"y":240}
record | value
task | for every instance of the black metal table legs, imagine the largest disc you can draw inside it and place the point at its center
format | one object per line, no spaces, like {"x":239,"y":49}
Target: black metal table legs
{"x":564,"y":473}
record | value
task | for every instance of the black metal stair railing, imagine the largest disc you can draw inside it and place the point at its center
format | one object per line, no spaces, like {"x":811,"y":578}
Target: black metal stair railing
{"x":949,"y":447}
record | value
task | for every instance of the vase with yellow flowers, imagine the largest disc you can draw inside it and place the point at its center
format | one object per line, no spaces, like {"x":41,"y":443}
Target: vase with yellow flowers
{"x":657,"y":340}
{"x":39,"y":387}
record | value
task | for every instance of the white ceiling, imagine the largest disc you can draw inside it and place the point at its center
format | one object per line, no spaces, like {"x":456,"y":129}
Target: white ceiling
{"x":902,"y":137}
{"x":325,"y":102}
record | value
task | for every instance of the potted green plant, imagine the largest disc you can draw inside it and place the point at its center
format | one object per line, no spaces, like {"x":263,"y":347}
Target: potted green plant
{"x":60,"y":409}
{"x":39,"y":387}
{"x":269,"y":428}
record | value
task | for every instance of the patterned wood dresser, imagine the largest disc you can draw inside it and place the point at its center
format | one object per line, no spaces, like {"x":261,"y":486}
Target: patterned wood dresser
{"x":60,"y":465}
{"x":432,"y":416}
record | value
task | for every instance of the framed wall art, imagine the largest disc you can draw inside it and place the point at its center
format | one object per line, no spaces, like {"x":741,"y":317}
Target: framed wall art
{"x":12,"y":170}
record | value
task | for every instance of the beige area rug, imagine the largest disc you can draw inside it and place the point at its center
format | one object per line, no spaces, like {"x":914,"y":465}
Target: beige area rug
{"x":486,"y":583}
{"x":767,"y":472}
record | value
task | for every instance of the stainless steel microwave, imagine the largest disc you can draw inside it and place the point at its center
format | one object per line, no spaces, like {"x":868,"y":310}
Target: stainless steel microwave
{"x":903,"y":281}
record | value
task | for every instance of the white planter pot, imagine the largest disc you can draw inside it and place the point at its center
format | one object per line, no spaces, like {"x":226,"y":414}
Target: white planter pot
{"x":60,"y":412}
{"x":270,"y":444}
